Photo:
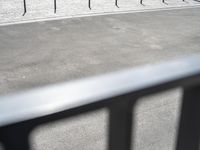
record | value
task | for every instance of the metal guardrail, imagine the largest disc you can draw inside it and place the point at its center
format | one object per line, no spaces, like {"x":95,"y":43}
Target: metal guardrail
{"x":89,"y":5}
{"x":21,"y":113}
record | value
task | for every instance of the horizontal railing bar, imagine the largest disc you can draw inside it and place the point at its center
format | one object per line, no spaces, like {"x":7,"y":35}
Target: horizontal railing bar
{"x":61,"y":97}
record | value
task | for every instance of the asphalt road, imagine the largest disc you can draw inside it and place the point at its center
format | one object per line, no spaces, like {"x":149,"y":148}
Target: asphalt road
{"x":43,"y":53}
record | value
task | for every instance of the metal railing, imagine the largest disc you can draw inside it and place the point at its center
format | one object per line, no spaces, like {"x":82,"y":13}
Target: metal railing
{"x":89,"y":5}
{"x":21,"y":113}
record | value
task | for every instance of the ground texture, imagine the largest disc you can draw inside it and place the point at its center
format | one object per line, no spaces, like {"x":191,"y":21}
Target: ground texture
{"x":42,"y":53}
{"x":11,"y":11}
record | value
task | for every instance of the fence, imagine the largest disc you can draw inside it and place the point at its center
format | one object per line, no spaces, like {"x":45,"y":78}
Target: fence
{"x":89,"y":5}
{"x":21,"y":113}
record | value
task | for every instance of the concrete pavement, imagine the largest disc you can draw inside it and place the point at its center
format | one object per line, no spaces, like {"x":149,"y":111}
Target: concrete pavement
{"x":43,"y":53}
{"x":11,"y":10}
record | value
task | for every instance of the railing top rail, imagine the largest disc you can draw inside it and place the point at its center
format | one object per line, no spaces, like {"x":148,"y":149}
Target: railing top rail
{"x":139,"y":82}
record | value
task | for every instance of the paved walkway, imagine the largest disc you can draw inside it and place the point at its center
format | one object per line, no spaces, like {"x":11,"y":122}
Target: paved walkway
{"x":43,"y":53}
{"x":11,"y":10}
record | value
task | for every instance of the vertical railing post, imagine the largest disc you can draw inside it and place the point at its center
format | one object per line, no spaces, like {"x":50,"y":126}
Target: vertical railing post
{"x":24,"y":2}
{"x":55,"y":6}
{"x":15,"y":137}
{"x":89,"y":4}
{"x":189,"y":125}
{"x":120,"y":125}
{"x":116,"y":3}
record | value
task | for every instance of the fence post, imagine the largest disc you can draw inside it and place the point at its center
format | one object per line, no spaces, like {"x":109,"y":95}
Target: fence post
{"x":120,"y":125}
{"x":189,"y":125}
{"x":24,"y":1}
{"x":55,"y":6}
{"x":15,"y":137}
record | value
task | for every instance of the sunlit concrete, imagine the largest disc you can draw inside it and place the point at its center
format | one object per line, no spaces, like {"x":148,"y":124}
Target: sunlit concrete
{"x":43,"y":53}
{"x":12,"y":10}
